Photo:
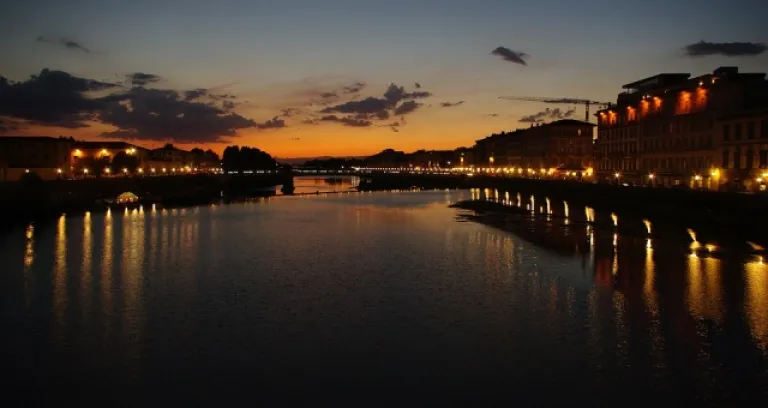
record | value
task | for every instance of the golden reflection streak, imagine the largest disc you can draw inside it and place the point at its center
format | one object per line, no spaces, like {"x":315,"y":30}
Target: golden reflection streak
{"x":519,"y":200}
{"x":29,"y":250}
{"x":533,"y":204}
{"x":59,"y":280}
{"x":756,"y":305}
{"x":106,"y":264}
{"x":704,"y":288}
{"x":647,"y":226}
{"x":615,"y":219}
{"x":86,"y":269}
{"x":590,"y":213}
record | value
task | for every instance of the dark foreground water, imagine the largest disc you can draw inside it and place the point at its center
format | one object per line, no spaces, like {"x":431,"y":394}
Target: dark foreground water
{"x":373,"y":299}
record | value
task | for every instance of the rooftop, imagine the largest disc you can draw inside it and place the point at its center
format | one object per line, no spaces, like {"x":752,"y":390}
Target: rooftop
{"x":658,"y":80}
{"x":106,"y":145}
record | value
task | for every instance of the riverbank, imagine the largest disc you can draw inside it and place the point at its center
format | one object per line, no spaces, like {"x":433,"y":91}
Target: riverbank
{"x":742,"y":215}
{"x":25,"y":201}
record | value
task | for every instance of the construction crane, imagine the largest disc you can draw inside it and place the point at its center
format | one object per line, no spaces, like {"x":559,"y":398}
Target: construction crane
{"x":571,"y":101}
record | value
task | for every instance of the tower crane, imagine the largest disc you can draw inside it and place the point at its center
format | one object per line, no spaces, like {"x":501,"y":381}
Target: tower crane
{"x":586,"y":102}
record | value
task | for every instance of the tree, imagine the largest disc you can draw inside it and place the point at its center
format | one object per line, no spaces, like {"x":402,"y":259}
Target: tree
{"x":247,"y":158}
{"x":124,"y":161}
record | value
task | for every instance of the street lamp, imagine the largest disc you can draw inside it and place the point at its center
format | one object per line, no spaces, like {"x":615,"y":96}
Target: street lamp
{"x":617,"y":175}
{"x":106,"y":170}
{"x":125,"y":170}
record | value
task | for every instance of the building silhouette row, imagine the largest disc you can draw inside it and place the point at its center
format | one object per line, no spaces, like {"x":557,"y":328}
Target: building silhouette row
{"x":671,"y":129}
{"x":60,"y":157}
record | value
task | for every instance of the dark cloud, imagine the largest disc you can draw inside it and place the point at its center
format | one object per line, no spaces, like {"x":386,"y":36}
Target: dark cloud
{"x":274,"y":123}
{"x":407,"y":107}
{"x":195,"y":94}
{"x":328,"y":95}
{"x":417,"y":85}
{"x":730,"y":49}
{"x":310,"y":121}
{"x":228,"y":105}
{"x":512,"y":56}
{"x":450,"y":104}
{"x":367,"y":105}
{"x":379,"y":107}
{"x":295,"y":138}
{"x":492,"y":115}
{"x":548,"y":114}
{"x":141,"y":78}
{"x":354,"y":88}
{"x":52,"y":98}
{"x":394,"y":129}
{"x":347,"y":121}
{"x":162,"y":115}
{"x":64,"y":42}
{"x":288,"y":112}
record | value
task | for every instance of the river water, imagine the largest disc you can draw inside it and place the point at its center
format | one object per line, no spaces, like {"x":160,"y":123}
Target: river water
{"x":374,"y":299}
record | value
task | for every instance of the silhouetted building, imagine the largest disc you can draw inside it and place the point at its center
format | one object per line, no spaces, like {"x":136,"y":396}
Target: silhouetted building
{"x":662,"y":129}
{"x":46,"y":156}
{"x":106,"y":150}
{"x":743,"y":150}
{"x":562,"y":145}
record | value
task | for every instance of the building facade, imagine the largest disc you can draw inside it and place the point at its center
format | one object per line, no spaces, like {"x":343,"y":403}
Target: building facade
{"x":662,"y":129}
{"x":84,"y":153}
{"x":48,"y":157}
{"x":743,"y":150}
{"x":563,"y":145}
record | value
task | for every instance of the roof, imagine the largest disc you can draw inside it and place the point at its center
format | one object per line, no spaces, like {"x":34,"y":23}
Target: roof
{"x":568,"y":122}
{"x":664,"y":79}
{"x":35,"y":138}
{"x":106,"y":145}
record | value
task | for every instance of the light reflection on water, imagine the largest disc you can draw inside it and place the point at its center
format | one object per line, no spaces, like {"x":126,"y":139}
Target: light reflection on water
{"x":376,"y":287}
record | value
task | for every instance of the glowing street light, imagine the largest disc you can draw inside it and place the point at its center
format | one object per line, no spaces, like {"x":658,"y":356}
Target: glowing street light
{"x":125,"y":170}
{"x":651,"y":176}
{"x":85,"y":171}
{"x":617,"y":175}
{"x":106,"y":170}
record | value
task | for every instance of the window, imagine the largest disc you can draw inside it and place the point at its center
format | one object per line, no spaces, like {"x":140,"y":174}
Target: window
{"x":736,"y":159}
{"x":726,"y":132}
{"x":726,"y":156}
{"x":763,"y":159}
{"x":737,"y":131}
{"x":750,"y":130}
{"x":764,"y":128}
{"x":750,"y":158}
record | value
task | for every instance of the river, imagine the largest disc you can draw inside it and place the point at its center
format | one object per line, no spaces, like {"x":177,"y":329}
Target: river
{"x":374,"y":299}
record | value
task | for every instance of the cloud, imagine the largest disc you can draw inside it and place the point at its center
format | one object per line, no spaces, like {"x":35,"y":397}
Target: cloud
{"x":417,"y":85}
{"x":347,"y":121}
{"x":450,"y":104}
{"x":551,"y":114}
{"x":730,"y":49}
{"x":491,"y":115}
{"x":295,"y":138}
{"x":310,"y":121}
{"x":394,"y":129}
{"x":141,"y":78}
{"x":53,"y":98}
{"x":407,"y":107}
{"x":354,"y":88}
{"x":162,"y":115}
{"x":516,"y":57}
{"x":393,"y":95}
{"x":274,"y":123}
{"x":193,"y":94}
{"x":64,"y":42}
{"x":288,"y":112}
{"x":328,"y":95}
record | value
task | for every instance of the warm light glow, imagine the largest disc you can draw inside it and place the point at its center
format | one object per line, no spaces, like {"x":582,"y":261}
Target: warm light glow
{"x":651,"y":176}
{"x":77,"y":152}
{"x":647,"y":226}
{"x":617,"y":175}
{"x":106,"y":170}
{"x":589,"y":171}
{"x":165,"y":170}
{"x":141,"y":170}
{"x":125,"y":170}
{"x":491,"y":160}
{"x":104,"y":152}
{"x":26,"y":170}
{"x":152,"y":169}
{"x":715,"y":173}
{"x":85,"y":171}
{"x":59,"y":171}
{"x":697,"y":177}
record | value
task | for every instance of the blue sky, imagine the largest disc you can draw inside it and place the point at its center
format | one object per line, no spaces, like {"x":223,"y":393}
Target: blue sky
{"x":266,"y":51}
